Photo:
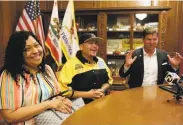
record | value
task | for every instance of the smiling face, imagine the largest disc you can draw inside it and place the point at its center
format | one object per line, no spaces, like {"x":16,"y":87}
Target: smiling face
{"x":89,"y":49}
{"x":150,"y":42}
{"x":33,"y":53}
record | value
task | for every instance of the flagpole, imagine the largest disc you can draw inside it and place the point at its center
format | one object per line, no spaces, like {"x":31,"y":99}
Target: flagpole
{"x":36,"y":18}
{"x":36,"y":29}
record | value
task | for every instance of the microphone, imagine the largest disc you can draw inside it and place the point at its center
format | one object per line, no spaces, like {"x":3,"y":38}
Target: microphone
{"x":173,"y":79}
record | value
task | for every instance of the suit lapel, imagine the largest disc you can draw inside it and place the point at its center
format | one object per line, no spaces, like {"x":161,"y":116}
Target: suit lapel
{"x":159,"y":62}
{"x":141,"y":61}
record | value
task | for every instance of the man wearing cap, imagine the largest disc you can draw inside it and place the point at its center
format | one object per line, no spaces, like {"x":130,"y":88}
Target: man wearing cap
{"x":148,"y":66}
{"x":87,"y":75}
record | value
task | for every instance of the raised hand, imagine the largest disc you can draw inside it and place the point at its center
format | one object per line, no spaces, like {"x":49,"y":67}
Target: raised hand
{"x":129,"y":60}
{"x":175,"y":61}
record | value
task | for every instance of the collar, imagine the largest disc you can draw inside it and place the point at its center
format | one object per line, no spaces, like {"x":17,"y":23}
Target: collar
{"x":84,"y":60}
{"x":145,"y":54}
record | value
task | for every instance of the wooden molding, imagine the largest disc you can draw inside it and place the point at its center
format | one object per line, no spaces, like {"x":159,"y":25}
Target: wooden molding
{"x":154,"y":8}
{"x":162,"y":29}
{"x":102,"y":32}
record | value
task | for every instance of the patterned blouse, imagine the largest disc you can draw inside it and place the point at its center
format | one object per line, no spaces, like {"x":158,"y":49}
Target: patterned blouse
{"x":29,"y":91}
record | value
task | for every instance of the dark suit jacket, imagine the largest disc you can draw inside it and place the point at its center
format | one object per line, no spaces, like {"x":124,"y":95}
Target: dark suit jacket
{"x":136,"y":71}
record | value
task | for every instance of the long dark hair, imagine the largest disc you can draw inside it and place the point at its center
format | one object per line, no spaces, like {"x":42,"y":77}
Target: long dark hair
{"x":14,"y":59}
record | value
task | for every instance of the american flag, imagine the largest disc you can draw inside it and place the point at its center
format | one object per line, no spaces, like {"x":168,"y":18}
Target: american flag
{"x":31,"y":20}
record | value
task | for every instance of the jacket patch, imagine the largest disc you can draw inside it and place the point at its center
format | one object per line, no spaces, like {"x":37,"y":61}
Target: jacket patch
{"x":78,"y":67}
{"x":101,"y":64}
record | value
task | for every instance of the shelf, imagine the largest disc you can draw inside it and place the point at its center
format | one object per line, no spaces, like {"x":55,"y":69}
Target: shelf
{"x":140,"y":31}
{"x":118,"y":31}
{"x":83,"y":31}
{"x":115,"y":55}
{"x":110,"y":56}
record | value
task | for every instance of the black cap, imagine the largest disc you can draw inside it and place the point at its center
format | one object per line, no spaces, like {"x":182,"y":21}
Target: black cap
{"x":89,"y":37}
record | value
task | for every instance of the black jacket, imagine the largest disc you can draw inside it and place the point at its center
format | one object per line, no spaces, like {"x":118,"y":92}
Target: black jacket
{"x":136,"y":71}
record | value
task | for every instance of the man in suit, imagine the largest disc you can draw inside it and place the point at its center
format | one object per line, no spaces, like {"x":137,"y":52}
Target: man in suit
{"x":148,"y":65}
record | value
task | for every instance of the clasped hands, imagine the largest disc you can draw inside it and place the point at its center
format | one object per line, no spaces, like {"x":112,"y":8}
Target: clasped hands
{"x":96,"y":93}
{"x":61,"y":104}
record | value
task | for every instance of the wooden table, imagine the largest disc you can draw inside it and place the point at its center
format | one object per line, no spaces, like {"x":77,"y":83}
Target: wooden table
{"x":138,"y":106}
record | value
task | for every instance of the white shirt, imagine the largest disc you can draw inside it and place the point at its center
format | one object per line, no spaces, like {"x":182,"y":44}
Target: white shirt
{"x":150,"y":69}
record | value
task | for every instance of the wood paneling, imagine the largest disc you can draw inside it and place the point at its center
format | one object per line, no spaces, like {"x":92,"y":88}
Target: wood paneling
{"x":160,"y":3}
{"x":83,"y":4}
{"x":77,"y":4}
{"x":180,"y":34}
{"x":104,"y":4}
{"x":173,"y":26}
{"x":180,"y":38}
{"x":133,"y":3}
{"x":1,"y":36}
{"x":97,"y":4}
{"x":10,"y":12}
{"x":6,"y":21}
{"x":63,"y":4}
{"x":121,"y":3}
{"x":102,"y":19}
{"x":45,"y":5}
{"x":162,"y":29}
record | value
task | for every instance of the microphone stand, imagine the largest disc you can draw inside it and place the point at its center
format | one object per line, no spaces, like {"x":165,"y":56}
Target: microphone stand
{"x":179,"y":94}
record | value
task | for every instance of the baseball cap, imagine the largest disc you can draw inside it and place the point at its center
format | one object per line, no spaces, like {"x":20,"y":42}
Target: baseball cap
{"x":86,"y":37}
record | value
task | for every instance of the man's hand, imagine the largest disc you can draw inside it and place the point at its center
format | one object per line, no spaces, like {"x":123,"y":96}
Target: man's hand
{"x":95,"y":93}
{"x":128,"y":60}
{"x":175,"y":61}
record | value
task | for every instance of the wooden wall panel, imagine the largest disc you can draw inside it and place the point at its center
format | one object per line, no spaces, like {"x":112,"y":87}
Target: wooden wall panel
{"x":134,"y":3}
{"x":102,"y":18}
{"x":160,"y":3}
{"x":77,"y":4}
{"x":180,"y":38}
{"x":83,"y":4}
{"x":97,"y":4}
{"x":5,"y":26}
{"x":45,"y":5}
{"x":1,"y":36}
{"x":9,"y":14}
{"x":180,"y":34}
{"x":104,"y":4}
{"x":62,"y":4}
{"x":173,"y":26}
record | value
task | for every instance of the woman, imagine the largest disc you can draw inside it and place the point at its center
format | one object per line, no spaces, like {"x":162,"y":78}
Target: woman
{"x":27,"y":82}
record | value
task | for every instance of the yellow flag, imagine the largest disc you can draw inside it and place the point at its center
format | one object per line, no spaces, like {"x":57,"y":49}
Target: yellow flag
{"x":68,"y":34}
